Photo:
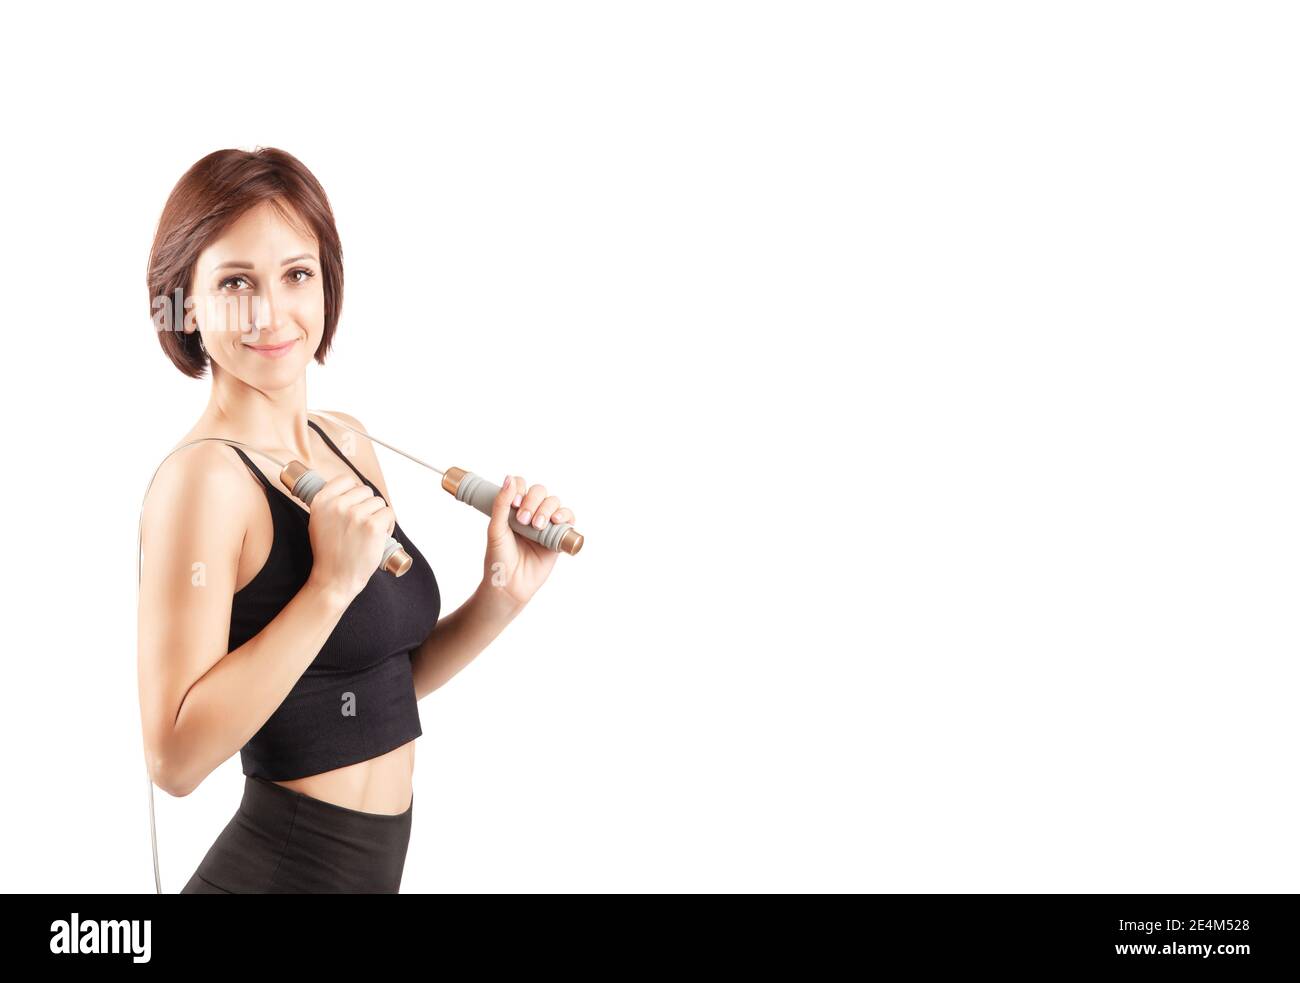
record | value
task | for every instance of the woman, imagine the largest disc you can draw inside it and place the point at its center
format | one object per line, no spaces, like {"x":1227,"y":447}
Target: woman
{"x":266,"y":628}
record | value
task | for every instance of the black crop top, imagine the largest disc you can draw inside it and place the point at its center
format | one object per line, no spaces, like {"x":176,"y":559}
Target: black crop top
{"x":357,"y":699}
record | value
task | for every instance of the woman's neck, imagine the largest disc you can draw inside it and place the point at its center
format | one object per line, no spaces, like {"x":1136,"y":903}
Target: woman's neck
{"x":274,"y":420}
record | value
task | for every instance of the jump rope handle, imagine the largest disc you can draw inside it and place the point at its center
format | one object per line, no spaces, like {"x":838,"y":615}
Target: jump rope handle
{"x":304,"y":483}
{"x":477,"y":491}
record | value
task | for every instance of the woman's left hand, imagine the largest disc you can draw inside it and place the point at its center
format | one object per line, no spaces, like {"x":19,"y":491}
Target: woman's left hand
{"x":513,"y":564}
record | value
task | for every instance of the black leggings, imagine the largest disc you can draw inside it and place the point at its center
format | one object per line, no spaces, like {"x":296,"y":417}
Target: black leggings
{"x":281,"y":841}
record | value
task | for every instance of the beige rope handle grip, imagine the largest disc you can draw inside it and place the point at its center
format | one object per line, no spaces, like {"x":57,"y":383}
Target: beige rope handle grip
{"x":475,"y":490}
{"x":304,"y":483}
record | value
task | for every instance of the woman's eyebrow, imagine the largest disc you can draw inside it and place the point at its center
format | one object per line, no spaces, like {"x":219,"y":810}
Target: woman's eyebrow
{"x":240,"y":264}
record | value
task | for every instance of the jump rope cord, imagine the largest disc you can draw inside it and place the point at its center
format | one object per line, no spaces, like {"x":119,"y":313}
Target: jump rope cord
{"x":139,"y":569}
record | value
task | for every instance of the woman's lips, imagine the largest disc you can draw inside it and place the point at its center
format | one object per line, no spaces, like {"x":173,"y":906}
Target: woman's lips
{"x":279,"y":351}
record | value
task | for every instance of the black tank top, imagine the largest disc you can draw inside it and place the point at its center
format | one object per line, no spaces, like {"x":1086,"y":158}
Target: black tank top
{"x":357,"y":698}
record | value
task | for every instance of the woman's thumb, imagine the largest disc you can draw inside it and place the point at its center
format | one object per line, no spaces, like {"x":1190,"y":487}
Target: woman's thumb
{"x":499,"y":523}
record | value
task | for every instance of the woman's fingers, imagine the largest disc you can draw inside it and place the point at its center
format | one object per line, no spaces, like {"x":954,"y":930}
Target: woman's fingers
{"x":368,"y":506}
{"x":532,"y":498}
{"x":535,"y":507}
{"x":335,"y":486}
{"x":544,"y":510}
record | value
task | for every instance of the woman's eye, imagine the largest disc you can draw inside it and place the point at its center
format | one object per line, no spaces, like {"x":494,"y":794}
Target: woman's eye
{"x":229,"y":280}
{"x":306,"y":275}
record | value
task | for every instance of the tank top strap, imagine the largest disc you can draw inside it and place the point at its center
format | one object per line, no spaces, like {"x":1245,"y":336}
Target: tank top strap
{"x":346,"y":460}
{"x":273,"y":495}
{"x":253,"y":467}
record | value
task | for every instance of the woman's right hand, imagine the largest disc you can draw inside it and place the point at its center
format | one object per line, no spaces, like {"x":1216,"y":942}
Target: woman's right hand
{"x":349,"y":526}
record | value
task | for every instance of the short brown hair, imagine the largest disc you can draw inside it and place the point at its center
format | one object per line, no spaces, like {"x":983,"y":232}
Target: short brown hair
{"x":207,"y":200}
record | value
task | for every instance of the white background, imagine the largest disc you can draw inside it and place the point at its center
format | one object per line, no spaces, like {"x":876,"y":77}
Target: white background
{"x":921,"y":375}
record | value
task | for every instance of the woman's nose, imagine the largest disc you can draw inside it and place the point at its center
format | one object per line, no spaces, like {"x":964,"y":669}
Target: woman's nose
{"x":263,"y":312}
{"x":267,"y":310}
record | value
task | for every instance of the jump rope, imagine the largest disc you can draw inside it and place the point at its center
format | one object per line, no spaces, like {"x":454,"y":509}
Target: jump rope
{"x":303,"y":483}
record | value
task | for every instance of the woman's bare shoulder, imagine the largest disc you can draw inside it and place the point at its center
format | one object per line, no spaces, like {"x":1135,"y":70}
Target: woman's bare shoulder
{"x":203,"y":478}
{"x":347,"y":418}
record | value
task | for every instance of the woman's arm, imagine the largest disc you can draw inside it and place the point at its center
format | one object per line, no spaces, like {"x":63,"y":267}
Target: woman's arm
{"x":200,"y":704}
{"x":460,"y":636}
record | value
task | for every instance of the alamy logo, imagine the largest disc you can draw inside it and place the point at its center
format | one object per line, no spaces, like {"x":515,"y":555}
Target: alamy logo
{"x":349,"y":704}
{"x":102,"y":937}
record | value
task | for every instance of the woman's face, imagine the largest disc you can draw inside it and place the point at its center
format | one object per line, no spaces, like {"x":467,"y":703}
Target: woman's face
{"x":259,"y":299}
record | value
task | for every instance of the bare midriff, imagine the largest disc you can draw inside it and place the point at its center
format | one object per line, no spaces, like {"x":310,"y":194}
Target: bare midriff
{"x":380,"y":785}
